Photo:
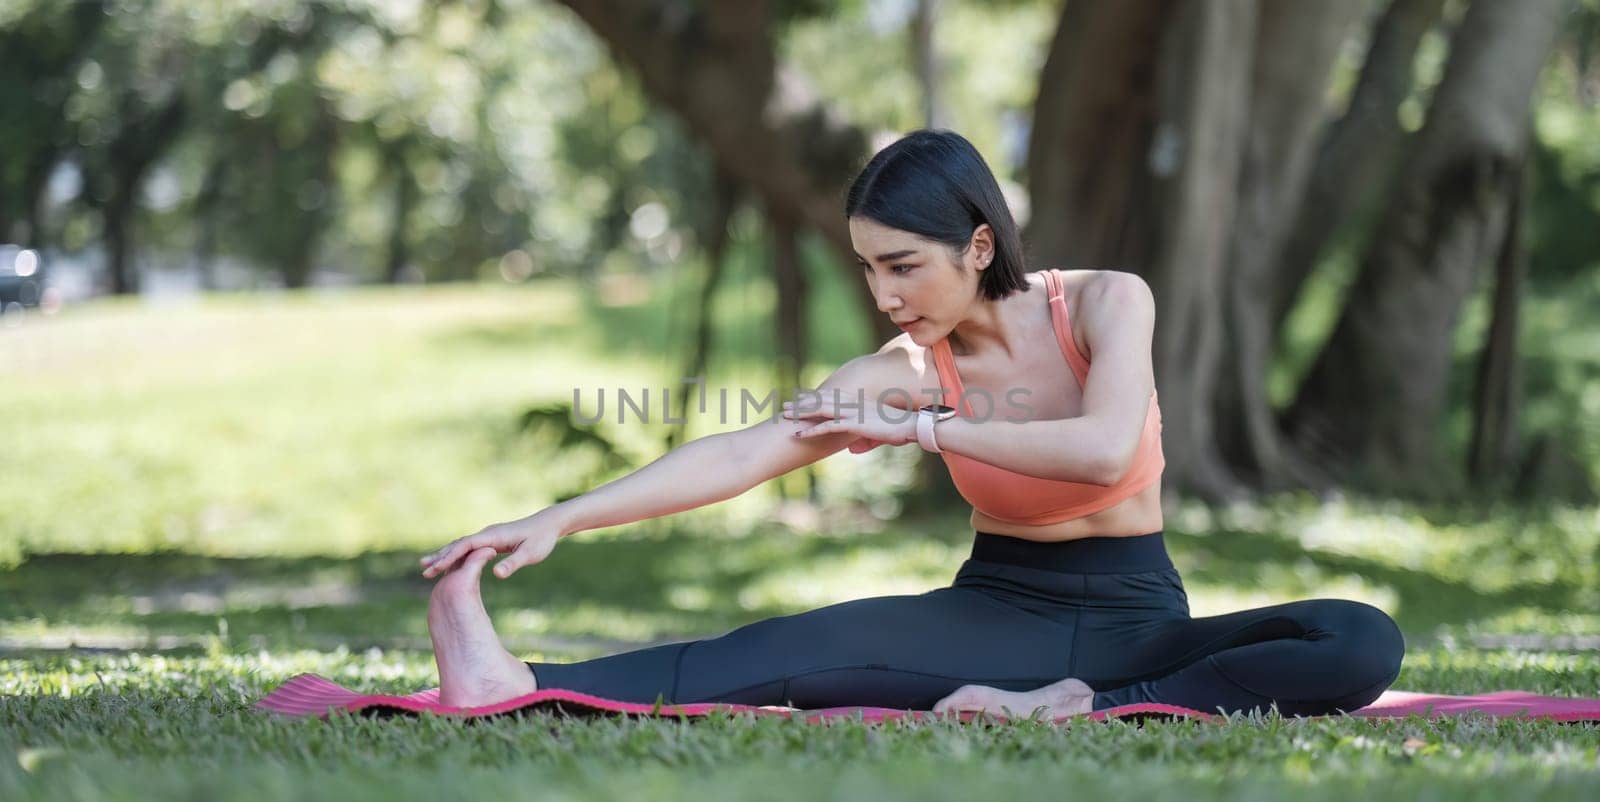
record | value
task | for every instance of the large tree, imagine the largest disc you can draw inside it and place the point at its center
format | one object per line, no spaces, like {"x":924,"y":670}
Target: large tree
{"x":1374,"y":395}
{"x":1185,"y":140}
{"x":714,"y":64}
{"x":1173,"y":138}
{"x":1294,"y":51}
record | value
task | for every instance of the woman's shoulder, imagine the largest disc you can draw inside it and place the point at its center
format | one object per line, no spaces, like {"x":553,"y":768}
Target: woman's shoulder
{"x":1102,"y":302}
{"x":1098,"y":283}
{"x":1113,"y":288}
{"x":898,"y":365}
{"x":1087,"y":290}
{"x":1110,"y":304}
{"x":901,"y":357}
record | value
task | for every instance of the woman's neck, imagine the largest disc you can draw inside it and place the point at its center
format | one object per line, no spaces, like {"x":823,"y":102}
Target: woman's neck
{"x":996,"y":327}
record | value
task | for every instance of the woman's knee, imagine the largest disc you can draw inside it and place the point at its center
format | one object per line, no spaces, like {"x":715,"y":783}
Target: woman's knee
{"x":1370,"y":644}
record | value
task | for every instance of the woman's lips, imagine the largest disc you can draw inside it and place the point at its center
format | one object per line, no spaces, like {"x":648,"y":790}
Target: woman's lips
{"x":907,"y":326}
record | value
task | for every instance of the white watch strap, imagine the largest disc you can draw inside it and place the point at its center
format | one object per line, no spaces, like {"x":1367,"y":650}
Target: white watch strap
{"x":925,"y":421}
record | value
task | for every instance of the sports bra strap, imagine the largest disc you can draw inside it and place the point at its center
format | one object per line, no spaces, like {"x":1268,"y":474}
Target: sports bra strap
{"x":1063,"y":327}
{"x":1052,"y":285}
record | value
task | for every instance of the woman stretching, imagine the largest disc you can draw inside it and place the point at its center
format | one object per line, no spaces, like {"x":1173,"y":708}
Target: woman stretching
{"x":1068,"y":602}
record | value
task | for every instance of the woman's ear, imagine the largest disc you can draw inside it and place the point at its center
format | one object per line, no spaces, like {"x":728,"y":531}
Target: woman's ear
{"x":981,"y":248}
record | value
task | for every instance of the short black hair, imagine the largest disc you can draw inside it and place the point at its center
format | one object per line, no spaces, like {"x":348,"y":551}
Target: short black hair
{"x":936,"y":185}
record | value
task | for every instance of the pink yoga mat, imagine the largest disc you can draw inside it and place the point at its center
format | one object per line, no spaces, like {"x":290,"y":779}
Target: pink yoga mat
{"x":313,"y":695}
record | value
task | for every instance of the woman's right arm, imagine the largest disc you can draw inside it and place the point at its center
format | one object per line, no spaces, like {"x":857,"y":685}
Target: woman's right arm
{"x":703,"y":471}
{"x":713,"y":468}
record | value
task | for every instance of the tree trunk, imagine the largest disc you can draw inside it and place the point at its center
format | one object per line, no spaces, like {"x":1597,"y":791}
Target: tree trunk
{"x":206,"y":224}
{"x":1360,"y":150}
{"x":1133,"y":166}
{"x":1093,"y":121}
{"x":1375,"y":390}
{"x":1295,"y":48}
{"x":790,"y":321}
{"x":716,"y":68}
{"x":404,"y":199}
{"x":29,"y":229}
{"x":925,"y":57}
{"x":1204,"y":105}
{"x":142,"y":139}
{"x":790,"y":318}
{"x":1496,"y":398}
{"x":724,"y":201}
{"x":116,"y":223}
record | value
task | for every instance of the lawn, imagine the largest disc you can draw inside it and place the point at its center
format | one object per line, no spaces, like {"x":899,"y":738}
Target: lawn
{"x":199,"y":501}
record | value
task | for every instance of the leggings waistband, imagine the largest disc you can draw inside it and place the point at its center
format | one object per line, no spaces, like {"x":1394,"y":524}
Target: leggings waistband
{"x":1090,"y":555}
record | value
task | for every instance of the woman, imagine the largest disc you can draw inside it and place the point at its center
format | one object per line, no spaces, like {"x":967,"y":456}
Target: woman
{"x":1069,"y":601}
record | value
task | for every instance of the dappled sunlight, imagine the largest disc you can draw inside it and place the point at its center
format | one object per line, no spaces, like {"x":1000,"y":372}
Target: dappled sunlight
{"x":906,"y":568}
{"x":39,"y":633}
{"x":1525,"y":619}
{"x":1426,"y":567}
{"x":1469,"y":670}
{"x":1282,"y":584}
{"x":595,"y":620}
{"x":257,"y":425}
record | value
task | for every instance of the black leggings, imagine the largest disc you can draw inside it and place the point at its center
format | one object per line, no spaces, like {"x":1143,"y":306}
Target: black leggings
{"x":1110,"y":611}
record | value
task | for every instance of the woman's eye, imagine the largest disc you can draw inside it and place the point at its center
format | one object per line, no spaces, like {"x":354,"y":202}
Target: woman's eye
{"x":896,"y":269}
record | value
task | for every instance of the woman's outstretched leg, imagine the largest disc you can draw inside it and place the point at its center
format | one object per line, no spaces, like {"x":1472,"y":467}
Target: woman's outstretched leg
{"x":904,"y":652}
{"x":474,"y":668}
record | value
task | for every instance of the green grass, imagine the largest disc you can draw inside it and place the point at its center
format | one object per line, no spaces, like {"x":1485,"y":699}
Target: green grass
{"x":199,"y":502}
{"x":152,"y":726}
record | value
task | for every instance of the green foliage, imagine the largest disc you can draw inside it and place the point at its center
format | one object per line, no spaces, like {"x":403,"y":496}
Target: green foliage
{"x":555,"y":421}
{"x":303,"y":122}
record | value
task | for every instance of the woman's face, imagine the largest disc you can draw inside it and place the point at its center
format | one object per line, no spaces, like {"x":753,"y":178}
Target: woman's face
{"x":915,"y":281}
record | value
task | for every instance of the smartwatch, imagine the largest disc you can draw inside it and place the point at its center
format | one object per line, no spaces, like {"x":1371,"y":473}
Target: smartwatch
{"x":926,"y":418}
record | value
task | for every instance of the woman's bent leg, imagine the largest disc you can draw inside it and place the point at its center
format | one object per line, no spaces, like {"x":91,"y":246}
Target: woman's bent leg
{"x":1313,"y":657}
{"x":895,"y":651}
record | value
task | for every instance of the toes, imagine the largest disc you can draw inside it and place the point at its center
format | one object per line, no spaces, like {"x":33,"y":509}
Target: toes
{"x":464,"y":577}
{"x":965,"y":697}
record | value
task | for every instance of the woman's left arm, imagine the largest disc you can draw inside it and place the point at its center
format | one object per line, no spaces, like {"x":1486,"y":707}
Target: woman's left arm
{"x":1098,"y":447}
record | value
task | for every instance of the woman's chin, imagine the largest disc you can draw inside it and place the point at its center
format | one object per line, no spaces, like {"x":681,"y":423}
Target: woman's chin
{"x":916,"y":333}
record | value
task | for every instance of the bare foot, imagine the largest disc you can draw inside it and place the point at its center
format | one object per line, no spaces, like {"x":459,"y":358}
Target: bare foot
{"x":1065,"y":698}
{"x":474,"y":669}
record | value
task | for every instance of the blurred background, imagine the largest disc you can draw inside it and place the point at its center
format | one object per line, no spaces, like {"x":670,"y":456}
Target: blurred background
{"x":293,"y":291}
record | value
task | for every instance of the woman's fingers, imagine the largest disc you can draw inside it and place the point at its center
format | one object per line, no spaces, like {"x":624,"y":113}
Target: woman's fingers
{"x":446,"y":558}
{"x":790,"y":409}
{"x":531,"y":551}
{"x":811,"y":414}
{"x":862,"y":445}
{"x":825,"y":427}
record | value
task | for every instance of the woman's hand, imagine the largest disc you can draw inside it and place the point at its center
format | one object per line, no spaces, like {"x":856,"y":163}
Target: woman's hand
{"x":528,"y":540}
{"x":870,"y":421}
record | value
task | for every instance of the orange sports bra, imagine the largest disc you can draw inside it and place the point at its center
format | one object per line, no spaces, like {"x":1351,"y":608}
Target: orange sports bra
{"x":1029,"y":500}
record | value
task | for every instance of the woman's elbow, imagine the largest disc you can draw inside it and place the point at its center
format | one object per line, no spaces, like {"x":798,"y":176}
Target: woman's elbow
{"x":1111,"y":465}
